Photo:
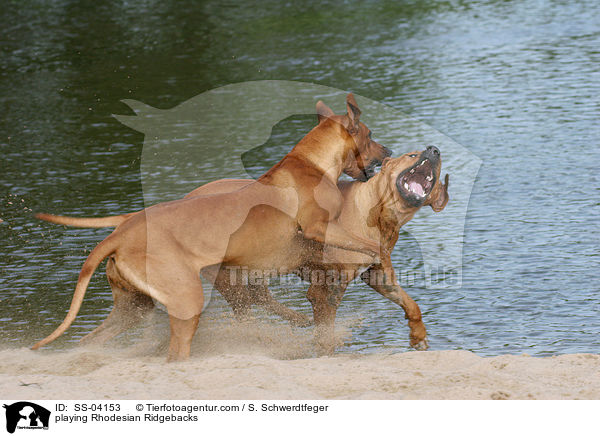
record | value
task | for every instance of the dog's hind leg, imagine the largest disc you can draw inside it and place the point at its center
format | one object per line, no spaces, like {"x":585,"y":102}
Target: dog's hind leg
{"x":233,"y":290}
{"x":177,"y":285}
{"x":325,"y":301}
{"x":182,"y":333}
{"x":129,"y":308}
{"x":263,"y":297}
{"x":240,"y":297}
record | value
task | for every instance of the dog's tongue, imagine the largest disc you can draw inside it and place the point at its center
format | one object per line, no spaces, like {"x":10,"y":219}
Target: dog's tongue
{"x":416,"y":188}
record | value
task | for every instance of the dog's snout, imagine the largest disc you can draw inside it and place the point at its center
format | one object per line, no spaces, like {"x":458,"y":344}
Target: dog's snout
{"x":433,"y":150}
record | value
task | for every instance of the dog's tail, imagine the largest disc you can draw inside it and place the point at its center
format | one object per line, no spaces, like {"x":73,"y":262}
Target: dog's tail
{"x":98,"y":254}
{"x":107,"y":221}
{"x":216,"y":187}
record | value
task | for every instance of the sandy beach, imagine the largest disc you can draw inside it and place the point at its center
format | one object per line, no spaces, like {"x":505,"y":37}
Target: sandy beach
{"x":110,"y":374}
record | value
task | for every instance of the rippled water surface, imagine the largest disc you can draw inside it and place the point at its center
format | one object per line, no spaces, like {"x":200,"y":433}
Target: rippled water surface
{"x":515,"y":82}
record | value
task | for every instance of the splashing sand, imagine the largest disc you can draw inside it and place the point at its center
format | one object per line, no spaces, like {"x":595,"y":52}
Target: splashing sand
{"x":255,"y":360}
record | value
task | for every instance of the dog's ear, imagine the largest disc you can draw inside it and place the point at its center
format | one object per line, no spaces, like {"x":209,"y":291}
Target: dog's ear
{"x":384,"y":163}
{"x":353,"y":114}
{"x":439,"y":197}
{"x":323,"y":111}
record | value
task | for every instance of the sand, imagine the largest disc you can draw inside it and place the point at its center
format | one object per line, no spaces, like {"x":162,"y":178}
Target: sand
{"x":259,"y":360}
{"x":452,"y":374}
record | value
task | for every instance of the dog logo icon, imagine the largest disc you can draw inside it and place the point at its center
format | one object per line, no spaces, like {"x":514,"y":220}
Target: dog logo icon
{"x":26,"y":415}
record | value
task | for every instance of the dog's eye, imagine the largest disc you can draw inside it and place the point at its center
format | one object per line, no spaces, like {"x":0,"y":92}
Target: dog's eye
{"x":412,"y":155}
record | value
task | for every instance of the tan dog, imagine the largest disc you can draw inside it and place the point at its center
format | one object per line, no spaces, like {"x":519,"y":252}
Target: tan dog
{"x":160,"y":251}
{"x":375,"y":209}
{"x":378,"y":209}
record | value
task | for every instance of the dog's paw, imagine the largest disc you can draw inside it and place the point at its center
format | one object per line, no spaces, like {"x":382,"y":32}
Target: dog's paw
{"x":422,"y":345}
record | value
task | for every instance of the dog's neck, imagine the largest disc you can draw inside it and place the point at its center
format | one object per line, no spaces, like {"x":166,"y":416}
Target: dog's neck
{"x":376,"y":199}
{"x":325,"y":149}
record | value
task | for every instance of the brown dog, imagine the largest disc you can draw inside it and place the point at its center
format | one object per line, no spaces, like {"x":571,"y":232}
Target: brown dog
{"x":159,"y":252}
{"x":375,"y":209}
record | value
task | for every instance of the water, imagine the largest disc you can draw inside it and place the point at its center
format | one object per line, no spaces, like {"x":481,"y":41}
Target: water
{"x":515,"y":82}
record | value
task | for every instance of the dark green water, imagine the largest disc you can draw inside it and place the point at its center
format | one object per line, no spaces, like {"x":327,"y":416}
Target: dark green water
{"x":515,"y":82}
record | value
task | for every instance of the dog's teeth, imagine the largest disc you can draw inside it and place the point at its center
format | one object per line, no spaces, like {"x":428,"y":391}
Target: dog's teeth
{"x":412,"y":171}
{"x":429,"y":178}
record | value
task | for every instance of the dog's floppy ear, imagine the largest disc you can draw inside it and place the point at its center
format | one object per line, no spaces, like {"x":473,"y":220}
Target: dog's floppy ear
{"x":439,"y":197}
{"x":384,"y":162}
{"x":353,"y":113}
{"x":323,"y":111}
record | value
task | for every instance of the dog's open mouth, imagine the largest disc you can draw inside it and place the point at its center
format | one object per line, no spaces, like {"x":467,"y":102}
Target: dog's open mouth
{"x":417,"y":181}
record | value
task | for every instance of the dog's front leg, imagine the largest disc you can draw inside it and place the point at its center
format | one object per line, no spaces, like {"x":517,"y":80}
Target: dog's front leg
{"x":377,"y":278}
